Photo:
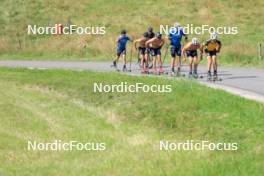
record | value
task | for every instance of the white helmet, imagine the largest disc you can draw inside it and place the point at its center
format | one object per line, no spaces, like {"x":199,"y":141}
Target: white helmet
{"x":177,"y":24}
{"x":213,"y":36}
{"x":195,"y":41}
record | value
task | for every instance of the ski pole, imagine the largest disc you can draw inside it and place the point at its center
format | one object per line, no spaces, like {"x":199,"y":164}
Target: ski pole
{"x":166,"y":52}
{"x":138,"y":56}
{"x":131,"y":52}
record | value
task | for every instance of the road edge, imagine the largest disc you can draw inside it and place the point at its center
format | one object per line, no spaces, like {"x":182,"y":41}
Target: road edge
{"x":236,"y":91}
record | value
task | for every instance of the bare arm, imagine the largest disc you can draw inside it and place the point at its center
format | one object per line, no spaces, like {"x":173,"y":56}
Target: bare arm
{"x":149,"y":42}
{"x":135,"y":43}
{"x":184,"y":48}
{"x":162,"y":42}
{"x":167,"y":40}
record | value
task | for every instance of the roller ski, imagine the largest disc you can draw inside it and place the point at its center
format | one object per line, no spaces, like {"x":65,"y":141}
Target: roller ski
{"x":114,"y":65}
{"x":214,"y":77}
{"x":177,"y":74}
{"x":190,"y":75}
{"x":196,"y":76}
{"x":209,"y":76}
{"x":125,"y":68}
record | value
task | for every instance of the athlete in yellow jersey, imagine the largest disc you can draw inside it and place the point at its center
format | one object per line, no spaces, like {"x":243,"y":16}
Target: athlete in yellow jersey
{"x":143,"y":52}
{"x":191,"y":52}
{"x":212,"y":47}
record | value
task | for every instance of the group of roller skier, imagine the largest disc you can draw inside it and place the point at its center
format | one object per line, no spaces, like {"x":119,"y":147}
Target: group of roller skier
{"x":150,"y":44}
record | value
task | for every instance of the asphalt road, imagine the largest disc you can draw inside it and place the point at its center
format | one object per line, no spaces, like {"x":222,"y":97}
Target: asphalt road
{"x":247,"y":82}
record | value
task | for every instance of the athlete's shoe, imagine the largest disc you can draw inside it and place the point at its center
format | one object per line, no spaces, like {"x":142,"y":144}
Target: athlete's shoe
{"x":215,"y":73}
{"x":172,"y":72}
{"x":209,"y":74}
{"x":195,"y":74}
{"x":179,"y":69}
{"x":114,"y":64}
{"x":124,"y":68}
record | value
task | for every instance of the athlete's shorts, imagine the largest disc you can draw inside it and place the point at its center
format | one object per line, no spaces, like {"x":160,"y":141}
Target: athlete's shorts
{"x":175,"y":51}
{"x":149,"y":50}
{"x":155,"y":51}
{"x":120,"y":51}
{"x":211,"y":53}
{"x":141,"y":50}
{"x":191,"y":53}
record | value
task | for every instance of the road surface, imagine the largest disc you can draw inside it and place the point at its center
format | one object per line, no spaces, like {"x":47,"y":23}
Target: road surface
{"x":246,"y":82}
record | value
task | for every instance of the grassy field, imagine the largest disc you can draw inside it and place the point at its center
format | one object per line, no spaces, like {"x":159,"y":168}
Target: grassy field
{"x":45,"y":105}
{"x":135,"y":16}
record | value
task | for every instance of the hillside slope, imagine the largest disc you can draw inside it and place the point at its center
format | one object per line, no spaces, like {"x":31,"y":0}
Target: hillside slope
{"x":133,"y":15}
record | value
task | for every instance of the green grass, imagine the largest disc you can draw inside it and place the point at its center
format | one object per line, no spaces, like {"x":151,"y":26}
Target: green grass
{"x":45,"y":105}
{"x":135,"y":16}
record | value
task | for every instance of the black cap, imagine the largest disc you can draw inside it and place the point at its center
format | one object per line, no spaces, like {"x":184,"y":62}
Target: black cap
{"x":123,"y":31}
{"x":145,"y":34}
{"x":158,"y":35}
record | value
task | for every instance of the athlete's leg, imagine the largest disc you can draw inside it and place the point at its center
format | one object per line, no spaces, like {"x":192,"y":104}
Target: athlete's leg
{"x":150,"y":58}
{"x":125,"y":61}
{"x":196,"y":62}
{"x":214,"y":59}
{"x":178,"y":63}
{"x":154,"y":63}
{"x":172,"y":63}
{"x":178,"y":53}
{"x":160,"y":62}
{"x":142,"y":64}
{"x":190,"y":65}
{"x":145,"y":56}
{"x":209,"y":64}
{"x":117,"y":58}
{"x":173,"y":54}
{"x":118,"y":54}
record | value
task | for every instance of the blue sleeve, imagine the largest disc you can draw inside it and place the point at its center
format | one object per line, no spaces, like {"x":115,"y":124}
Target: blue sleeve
{"x":182,"y":33}
{"x":118,"y":39}
{"x":170,"y":35}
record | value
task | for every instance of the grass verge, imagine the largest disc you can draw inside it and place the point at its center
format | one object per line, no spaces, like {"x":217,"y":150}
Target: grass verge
{"x":45,"y":105}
